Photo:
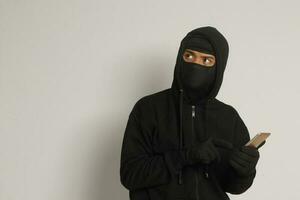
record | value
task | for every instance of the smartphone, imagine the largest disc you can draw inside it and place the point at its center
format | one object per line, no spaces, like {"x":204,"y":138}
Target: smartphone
{"x":258,"y":139}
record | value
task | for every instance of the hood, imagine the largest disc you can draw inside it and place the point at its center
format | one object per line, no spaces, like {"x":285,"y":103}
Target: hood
{"x":221,"y":49}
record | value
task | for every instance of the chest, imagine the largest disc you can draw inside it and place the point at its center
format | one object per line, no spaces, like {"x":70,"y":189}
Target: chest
{"x":197,"y":125}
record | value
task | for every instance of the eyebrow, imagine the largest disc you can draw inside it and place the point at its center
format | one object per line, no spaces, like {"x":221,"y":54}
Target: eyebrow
{"x":193,"y":51}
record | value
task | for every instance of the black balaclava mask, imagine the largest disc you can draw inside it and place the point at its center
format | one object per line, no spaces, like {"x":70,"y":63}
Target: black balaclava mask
{"x":197,"y":80}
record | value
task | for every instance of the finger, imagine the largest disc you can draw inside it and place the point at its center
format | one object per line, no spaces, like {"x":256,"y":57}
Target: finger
{"x":251,"y":151}
{"x":240,"y":169}
{"x":211,"y":154}
{"x":205,"y":158}
{"x":222,"y":143}
{"x":262,"y":144}
{"x":206,"y":161}
{"x":235,"y":165}
{"x":216,"y":152}
{"x":240,"y":160}
{"x":245,"y":156}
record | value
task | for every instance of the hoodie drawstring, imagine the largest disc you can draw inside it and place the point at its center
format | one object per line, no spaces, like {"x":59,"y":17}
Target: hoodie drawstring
{"x":206,"y":166}
{"x":181,"y":135}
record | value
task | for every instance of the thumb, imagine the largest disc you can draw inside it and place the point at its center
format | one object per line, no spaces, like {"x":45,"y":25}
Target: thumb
{"x":222,"y":143}
{"x":262,"y":144}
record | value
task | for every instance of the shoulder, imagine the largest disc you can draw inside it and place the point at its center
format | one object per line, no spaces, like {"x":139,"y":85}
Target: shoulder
{"x":147,"y":103}
{"x":225,"y":107}
{"x":144,"y":110}
{"x":233,"y":112}
{"x":157,"y":96}
{"x":153,"y":98}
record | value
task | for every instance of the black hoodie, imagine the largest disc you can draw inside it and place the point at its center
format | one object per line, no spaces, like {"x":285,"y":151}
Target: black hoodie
{"x":160,"y":125}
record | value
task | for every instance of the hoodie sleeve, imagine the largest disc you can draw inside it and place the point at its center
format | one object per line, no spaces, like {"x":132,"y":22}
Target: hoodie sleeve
{"x":140,"y":167}
{"x":233,"y":183}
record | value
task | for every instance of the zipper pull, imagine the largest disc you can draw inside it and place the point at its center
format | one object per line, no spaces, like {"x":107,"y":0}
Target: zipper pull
{"x":206,"y":171}
{"x":193,"y":111}
{"x":206,"y":175}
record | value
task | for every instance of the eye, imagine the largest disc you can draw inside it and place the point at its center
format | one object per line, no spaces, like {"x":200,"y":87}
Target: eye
{"x":188,"y":56}
{"x":207,"y":61}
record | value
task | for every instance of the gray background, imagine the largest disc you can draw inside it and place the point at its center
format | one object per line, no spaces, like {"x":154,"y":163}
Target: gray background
{"x":70,"y":72}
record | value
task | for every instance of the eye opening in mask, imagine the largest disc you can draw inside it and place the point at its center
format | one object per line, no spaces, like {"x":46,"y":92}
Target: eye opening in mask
{"x":197,"y":57}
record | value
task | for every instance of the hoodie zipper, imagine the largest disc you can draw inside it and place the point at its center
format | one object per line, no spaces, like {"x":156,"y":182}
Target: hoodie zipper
{"x":193,"y":119}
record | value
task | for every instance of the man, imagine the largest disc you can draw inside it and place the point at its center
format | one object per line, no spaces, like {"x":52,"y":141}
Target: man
{"x":182,"y":142}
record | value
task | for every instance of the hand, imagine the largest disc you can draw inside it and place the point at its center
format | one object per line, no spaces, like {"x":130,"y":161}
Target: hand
{"x":206,"y":152}
{"x":244,"y":160}
{"x":262,"y":144}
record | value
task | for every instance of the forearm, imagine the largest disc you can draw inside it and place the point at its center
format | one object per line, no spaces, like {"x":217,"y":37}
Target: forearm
{"x":149,"y":171}
{"x":143,"y":171}
{"x":142,"y":167}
